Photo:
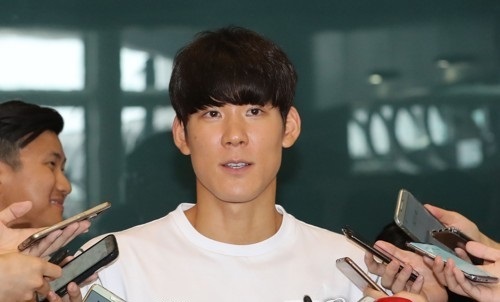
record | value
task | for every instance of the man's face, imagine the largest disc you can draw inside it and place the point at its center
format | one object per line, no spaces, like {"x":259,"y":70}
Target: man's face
{"x":235,"y":151}
{"x":40,"y":178}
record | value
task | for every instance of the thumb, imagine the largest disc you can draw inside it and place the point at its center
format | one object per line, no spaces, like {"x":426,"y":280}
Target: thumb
{"x":14,"y":211}
{"x":435,"y":211}
{"x":483,"y":251}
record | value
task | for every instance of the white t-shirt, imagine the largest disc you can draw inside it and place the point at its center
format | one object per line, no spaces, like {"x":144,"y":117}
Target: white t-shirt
{"x":167,"y":260}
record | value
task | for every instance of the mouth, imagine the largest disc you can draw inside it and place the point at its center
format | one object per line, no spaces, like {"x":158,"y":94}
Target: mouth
{"x":236,"y":165}
{"x":58,"y":203}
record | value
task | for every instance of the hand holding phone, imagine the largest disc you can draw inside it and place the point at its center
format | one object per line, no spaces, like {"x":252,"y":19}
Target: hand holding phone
{"x":87,"y":263}
{"x":89,"y":214}
{"x":382,"y":256}
{"x":357,"y":276}
{"x":470,"y":271}
{"x":453,"y":238}
{"x":415,"y":220}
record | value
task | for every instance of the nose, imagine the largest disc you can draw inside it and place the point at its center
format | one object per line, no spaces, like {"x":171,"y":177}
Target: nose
{"x":63,"y":184}
{"x":234,"y":133}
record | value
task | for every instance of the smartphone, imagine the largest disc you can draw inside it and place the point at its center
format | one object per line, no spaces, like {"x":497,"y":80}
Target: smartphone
{"x":357,"y":276}
{"x":414,"y":219}
{"x":453,"y":238}
{"x":470,"y":271}
{"x":88,"y":214}
{"x":97,"y":293}
{"x":84,"y":265}
{"x":381,"y":255}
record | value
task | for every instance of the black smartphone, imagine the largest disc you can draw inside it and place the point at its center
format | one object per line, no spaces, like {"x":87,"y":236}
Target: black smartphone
{"x":88,"y":214}
{"x":381,"y":255}
{"x":357,"y":276}
{"x":470,"y":271}
{"x":415,"y":220}
{"x":454,"y":238}
{"x":84,"y":265}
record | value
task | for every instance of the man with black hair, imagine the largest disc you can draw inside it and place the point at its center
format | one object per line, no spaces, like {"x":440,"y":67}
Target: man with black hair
{"x":32,"y":192}
{"x":32,"y":162}
{"x":232,"y":91}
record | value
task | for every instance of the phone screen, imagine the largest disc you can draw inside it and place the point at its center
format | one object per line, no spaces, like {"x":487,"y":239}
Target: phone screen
{"x":97,"y":293}
{"x":85,"y":264}
{"x":413,"y":218}
{"x":95,"y":297}
{"x":471,"y":271}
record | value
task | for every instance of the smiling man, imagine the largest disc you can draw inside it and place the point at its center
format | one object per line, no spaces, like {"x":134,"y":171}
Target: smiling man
{"x":32,"y":162}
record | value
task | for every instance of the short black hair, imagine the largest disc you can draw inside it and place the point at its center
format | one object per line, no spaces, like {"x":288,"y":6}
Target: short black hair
{"x":231,"y":65}
{"x":20,"y":124}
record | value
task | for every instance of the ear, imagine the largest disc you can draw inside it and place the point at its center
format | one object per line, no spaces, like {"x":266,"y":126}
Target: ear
{"x":179,"y":133}
{"x":292,"y":128}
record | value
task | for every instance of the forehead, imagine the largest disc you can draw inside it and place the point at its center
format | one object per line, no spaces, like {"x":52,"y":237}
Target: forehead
{"x":46,"y":144}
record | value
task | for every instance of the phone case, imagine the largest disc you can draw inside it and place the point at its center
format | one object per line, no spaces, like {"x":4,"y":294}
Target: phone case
{"x":415,"y":220}
{"x":470,"y":271}
{"x":88,"y":214}
{"x":357,"y":276}
{"x":84,"y":265}
{"x":454,"y":238}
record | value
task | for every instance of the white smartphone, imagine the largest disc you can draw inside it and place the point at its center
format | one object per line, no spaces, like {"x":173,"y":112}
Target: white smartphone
{"x":88,"y":214}
{"x":98,"y":293}
{"x":470,"y":271}
{"x":414,"y":219}
{"x":454,"y":238}
{"x":356,"y":274}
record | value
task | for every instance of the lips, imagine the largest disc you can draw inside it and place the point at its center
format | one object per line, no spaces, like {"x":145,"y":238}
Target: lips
{"x":236,"y":165}
{"x":57,"y":202}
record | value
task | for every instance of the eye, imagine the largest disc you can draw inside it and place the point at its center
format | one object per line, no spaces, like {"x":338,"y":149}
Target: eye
{"x":52,"y":164}
{"x":254,"y":111}
{"x":212,"y":114}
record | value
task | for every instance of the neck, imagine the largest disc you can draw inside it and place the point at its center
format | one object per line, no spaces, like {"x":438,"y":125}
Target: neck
{"x":235,"y":223}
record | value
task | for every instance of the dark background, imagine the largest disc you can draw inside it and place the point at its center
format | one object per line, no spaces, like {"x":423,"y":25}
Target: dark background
{"x":335,"y":45}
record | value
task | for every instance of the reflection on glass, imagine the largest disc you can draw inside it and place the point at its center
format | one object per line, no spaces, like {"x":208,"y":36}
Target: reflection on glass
{"x":133,"y":123}
{"x":357,"y":141}
{"x":141,"y":70}
{"x":163,"y":118}
{"x":72,"y":139}
{"x":57,"y":63}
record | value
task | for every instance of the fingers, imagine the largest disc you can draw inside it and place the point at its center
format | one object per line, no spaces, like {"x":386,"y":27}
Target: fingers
{"x":397,"y":279}
{"x":373,"y":266}
{"x":53,"y":297}
{"x":51,"y":271}
{"x":58,"y":239}
{"x":14,"y":211}
{"x":44,"y":289}
{"x":43,"y":247}
{"x":438,"y":266}
{"x":74,"y":293}
{"x":483,"y":251}
{"x":417,"y":285}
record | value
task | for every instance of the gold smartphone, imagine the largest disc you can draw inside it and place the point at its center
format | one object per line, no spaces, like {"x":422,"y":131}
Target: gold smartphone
{"x":357,"y":276}
{"x":88,"y":214}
